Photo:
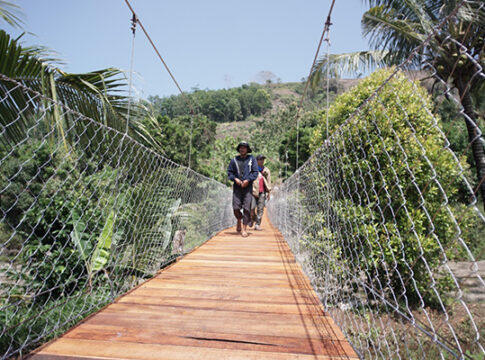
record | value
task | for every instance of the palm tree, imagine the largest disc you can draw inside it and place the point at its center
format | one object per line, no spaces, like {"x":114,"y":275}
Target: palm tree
{"x":26,"y":72}
{"x":454,"y":52}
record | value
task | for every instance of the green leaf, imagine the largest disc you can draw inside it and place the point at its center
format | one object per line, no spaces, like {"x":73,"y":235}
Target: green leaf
{"x":77,"y":235}
{"x":97,"y":95}
{"x":167,"y":227}
{"x":103,"y":247}
{"x":11,"y":14}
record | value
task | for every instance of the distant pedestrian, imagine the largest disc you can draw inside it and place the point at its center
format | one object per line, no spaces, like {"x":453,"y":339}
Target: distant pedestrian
{"x":261,"y":189}
{"x":242,"y":170}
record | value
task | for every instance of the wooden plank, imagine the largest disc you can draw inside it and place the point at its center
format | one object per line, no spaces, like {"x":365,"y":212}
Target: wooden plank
{"x":221,"y":274}
{"x":225,"y":294}
{"x":248,"y":258}
{"x":253,"y":326}
{"x":132,"y":350}
{"x":247,"y":306}
{"x":233,"y":288}
{"x":201,"y":338}
{"x":159,"y":312}
{"x":202,"y":278}
{"x":243,"y":267}
{"x":232,"y":298}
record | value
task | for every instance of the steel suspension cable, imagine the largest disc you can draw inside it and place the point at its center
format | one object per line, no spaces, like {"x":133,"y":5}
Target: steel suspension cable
{"x":130,"y":81}
{"x":182,"y":93}
{"x":326,"y":28}
{"x":327,"y":40}
{"x":186,"y":99}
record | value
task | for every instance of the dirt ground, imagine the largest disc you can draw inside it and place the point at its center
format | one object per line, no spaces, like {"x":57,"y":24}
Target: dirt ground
{"x":472,"y":286}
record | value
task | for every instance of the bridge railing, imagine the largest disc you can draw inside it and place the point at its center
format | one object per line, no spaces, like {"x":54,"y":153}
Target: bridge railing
{"x":391,"y":240}
{"x":86,"y":214}
{"x":387,"y":218}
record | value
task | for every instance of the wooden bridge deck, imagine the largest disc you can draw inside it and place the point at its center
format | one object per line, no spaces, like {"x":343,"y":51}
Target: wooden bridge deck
{"x":232,"y":298}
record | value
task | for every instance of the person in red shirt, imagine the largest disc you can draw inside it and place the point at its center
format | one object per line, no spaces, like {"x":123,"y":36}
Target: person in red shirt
{"x":261,"y":190}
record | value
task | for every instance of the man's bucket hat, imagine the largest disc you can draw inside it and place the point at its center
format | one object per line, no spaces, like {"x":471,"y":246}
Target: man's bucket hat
{"x":244,"y":143}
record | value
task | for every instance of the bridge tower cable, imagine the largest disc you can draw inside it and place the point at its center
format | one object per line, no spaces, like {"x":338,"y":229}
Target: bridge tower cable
{"x":326,"y":29}
{"x":116,"y":208}
{"x":182,"y":93}
{"x":327,"y":40}
{"x":130,"y":81}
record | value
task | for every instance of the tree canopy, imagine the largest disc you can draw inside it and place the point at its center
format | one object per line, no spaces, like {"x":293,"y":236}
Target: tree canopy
{"x":234,"y":104}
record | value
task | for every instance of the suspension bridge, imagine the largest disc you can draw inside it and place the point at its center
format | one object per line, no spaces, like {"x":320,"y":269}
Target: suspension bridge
{"x":371,"y":249}
{"x":230,"y":299}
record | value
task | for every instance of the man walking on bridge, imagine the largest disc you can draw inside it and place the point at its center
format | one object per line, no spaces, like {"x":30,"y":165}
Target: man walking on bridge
{"x":242,"y":170}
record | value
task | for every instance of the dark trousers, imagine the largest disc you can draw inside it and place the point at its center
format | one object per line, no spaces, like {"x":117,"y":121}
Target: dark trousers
{"x":260,"y":207}
{"x":241,"y":200}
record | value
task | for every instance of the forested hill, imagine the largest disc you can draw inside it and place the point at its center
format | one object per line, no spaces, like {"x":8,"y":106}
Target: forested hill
{"x":241,"y":103}
{"x":260,"y":114}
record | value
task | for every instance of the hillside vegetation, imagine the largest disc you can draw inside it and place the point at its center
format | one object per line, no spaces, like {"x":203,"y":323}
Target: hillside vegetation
{"x":264,"y":115}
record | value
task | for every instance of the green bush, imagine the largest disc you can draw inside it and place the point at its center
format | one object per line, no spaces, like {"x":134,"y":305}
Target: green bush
{"x":31,"y":326}
{"x":46,"y":192}
{"x":387,"y":164}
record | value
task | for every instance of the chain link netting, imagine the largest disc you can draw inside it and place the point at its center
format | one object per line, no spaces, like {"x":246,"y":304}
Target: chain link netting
{"x":386,"y":217}
{"x":86,"y":214}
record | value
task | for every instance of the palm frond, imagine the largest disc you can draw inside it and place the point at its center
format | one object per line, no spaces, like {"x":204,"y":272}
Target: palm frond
{"x":11,"y":14}
{"x":99,"y":95}
{"x":44,"y":54}
{"x":389,"y":29}
{"x":348,"y":64}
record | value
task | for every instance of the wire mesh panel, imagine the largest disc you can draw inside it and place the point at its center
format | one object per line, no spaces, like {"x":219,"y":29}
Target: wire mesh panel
{"x":387,"y":216}
{"x":86,"y":213}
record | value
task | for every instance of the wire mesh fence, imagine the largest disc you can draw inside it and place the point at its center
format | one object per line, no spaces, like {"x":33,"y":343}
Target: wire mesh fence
{"x":387,"y":217}
{"x":86,"y":213}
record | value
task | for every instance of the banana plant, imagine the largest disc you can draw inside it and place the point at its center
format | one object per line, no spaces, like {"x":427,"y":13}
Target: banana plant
{"x":97,"y":261}
{"x":165,"y":225}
